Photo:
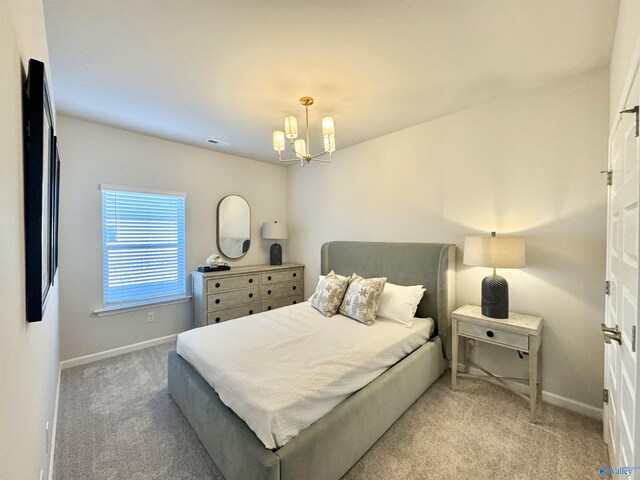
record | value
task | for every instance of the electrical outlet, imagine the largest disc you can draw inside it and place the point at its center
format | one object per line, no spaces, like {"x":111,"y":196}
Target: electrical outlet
{"x":151,"y":317}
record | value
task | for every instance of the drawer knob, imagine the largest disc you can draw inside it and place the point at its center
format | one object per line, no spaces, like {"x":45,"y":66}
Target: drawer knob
{"x":217,"y":300}
{"x":490,"y":333}
{"x":217,"y":285}
{"x":251,"y":280}
{"x":295,"y":301}
{"x":295,"y":274}
{"x":269,"y":307}
{"x":268,"y":292}
{"x":250,"y":312}
{"x":269,"y":277}
{"x":217,"y":319}
{"x":251,"y":295}
{"x":294,"y":287}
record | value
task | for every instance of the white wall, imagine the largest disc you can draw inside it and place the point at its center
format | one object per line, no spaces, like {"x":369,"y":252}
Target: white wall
{"x":626,"y":42}
{"x":526,"y":164}
{"x":92,"y":154}
{"x":28,"y":352}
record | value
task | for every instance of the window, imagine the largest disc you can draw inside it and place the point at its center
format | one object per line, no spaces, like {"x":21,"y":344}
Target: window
{"x":143,"y":246}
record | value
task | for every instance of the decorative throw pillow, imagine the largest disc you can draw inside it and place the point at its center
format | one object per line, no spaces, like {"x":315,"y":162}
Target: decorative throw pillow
{"x":362,"y":300}
{"x":322,"y":277}
{"x":399,"y":303}
{"x":329,"y":294}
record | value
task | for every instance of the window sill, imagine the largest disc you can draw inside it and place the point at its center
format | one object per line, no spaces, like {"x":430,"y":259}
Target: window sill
{"x":130,"y":307}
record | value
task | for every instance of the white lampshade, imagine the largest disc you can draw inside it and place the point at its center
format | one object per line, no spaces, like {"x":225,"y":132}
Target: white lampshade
{"x":494,"y":252}
{"x":329,"y":143}
{"x":291,"y":127}
{"x":278,"y":140}
{"x":300,"y":147}
{"x":327,"y":126}
{"x":275,"y":231}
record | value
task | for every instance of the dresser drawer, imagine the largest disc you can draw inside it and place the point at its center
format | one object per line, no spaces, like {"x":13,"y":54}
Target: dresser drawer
{"x":274,"y":303}
{"x":231,"y":313}
{"x":490,"y":334}
{"x":280,"y":290}
{"x":283,"y":276}
{"x":219,"y":301}
{"x":223,"y":284}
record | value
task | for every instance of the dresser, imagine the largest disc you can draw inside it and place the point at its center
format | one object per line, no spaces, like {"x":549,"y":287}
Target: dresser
{"x":242,"y":291}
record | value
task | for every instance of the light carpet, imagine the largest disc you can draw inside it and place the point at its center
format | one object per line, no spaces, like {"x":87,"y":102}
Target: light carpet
{"x":116,"y":420}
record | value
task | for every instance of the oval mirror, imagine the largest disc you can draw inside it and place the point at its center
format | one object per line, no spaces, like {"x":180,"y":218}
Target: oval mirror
{"x":234,"y":226}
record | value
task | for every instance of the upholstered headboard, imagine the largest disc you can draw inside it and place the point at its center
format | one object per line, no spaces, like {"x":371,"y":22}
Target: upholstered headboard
{"x":429,"y":264}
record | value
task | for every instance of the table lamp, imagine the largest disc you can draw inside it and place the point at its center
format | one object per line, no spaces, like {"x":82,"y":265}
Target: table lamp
{"x":275,"y":231}
{"x":494,"y":252}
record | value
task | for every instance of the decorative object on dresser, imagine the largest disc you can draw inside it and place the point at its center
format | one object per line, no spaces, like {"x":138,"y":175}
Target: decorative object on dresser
{"x":233,"y":226}
{"x":221,"y":296}
{"x":275,"y":231}
{"x":301,"y":147}
{"x":494,"y":252}
{"x":519,"y":332}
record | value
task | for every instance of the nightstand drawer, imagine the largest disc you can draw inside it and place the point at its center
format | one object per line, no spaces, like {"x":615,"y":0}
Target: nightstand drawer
{"x":223,"y":300}
{"x":287,"y":275}
{"x":274,"y":303}
{"x":215,"y":285}
{"x":231,"y":313}
{"x":280,"y":290}
{"x":494,"y":335}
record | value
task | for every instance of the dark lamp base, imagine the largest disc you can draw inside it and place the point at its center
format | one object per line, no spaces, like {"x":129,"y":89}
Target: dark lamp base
{"x":495,"y":297}
{"x":276,"y":254}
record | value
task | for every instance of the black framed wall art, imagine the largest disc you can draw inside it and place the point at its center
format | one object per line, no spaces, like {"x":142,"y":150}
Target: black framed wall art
{"x":39,"y":180}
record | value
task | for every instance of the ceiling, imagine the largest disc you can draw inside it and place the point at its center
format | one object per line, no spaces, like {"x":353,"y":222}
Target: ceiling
{"x":192,"y":70}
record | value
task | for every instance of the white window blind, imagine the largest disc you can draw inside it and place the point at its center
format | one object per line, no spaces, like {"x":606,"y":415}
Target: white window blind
{"x":143,"y":246}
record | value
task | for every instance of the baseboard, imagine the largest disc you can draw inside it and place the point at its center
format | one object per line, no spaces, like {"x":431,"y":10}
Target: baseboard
{"x":54,"y":427}
{"x":94,"y":357}
{"x":549,"y":397}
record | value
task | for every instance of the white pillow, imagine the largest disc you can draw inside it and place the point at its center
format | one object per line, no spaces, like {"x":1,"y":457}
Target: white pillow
{"x":400,"y":303}
{"x":321,"y":277}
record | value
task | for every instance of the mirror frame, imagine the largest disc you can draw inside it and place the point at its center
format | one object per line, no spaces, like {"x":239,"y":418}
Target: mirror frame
{"x":218,"y":225}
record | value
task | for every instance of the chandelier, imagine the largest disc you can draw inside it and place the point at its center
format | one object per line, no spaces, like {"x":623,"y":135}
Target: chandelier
{"x":299,"y":146}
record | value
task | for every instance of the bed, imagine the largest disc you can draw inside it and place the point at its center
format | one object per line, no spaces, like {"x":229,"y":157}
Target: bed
{"x":332,"y":444}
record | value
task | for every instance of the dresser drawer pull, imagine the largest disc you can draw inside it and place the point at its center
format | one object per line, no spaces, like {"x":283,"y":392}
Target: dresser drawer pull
{"x":251,"y":280}
{"x":294,"y":287}
{"x":489,"y":333}
{"x":268,"y":292}
{"x":295,"y":301}
{"x":269,"y":277}
{"x":251,"y":295}
{"x":295,"y":274}
{"x":250,"y":312}
{"x":217,"y":285}
{"x":217,"y":319}
{"x":269,"y":307}
{"x":217,"y":300}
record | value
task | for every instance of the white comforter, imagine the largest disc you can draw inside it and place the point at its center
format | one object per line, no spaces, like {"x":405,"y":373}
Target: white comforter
{"x":282,"y":370}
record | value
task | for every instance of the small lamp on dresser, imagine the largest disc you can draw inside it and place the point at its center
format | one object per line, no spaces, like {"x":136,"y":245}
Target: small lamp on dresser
{"x":275,"y":231}
{"x":494,"y":252}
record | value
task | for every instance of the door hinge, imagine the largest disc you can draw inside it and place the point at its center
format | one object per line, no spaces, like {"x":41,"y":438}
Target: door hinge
{"x":635,"y":110}
{"x":609,"y":176}
{"x":605,"y":395}
{"x":633,"y":338}
{"x":607,"y":287}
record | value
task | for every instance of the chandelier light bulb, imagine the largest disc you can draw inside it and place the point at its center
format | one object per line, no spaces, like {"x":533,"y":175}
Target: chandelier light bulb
{"x":278,"y":140}
{"x":291,"y":127}
{"x":327,"y":126}
{"x":300,"y":147}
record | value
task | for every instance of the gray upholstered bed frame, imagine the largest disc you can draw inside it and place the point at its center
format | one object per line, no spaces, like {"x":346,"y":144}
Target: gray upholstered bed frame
{"x":334,"y":443}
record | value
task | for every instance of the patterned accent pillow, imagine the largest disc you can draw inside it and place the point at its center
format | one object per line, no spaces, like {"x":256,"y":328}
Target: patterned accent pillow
{"x":362,"y":300}
{"x":329,"y":294}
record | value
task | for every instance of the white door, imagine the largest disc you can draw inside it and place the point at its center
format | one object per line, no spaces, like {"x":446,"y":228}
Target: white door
{"x":621,"y":418}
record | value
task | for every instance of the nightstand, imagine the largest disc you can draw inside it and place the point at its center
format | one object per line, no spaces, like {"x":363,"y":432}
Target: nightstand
{"x":518,"y":332}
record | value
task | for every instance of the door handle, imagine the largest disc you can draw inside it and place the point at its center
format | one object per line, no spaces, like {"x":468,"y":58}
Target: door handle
{"x":609,"y":329}
{"x":608,"y":336}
